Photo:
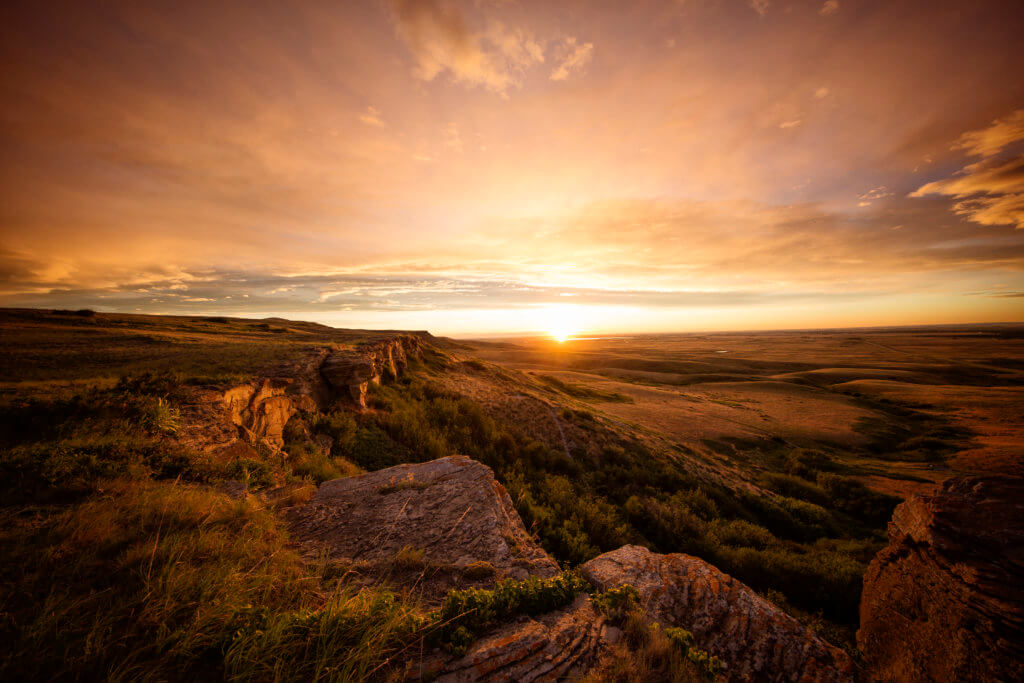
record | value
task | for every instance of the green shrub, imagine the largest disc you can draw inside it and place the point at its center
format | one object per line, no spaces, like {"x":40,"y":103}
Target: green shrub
{"x":740,"y":533}
{"x":616,"y":603}
{"x":856,"y":499}
{"x":794,"y":487}
{"x":255,"y":474}
{"x":341,"y":426}
{"x":707,"y":664}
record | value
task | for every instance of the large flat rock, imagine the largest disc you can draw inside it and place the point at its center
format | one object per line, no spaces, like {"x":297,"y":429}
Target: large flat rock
{"x":450,"y":512}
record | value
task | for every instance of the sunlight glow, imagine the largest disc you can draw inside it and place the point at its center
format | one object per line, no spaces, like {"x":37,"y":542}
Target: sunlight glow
{"x":562,"y":321}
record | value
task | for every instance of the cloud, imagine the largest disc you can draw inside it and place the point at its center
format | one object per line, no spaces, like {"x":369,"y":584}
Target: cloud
{"x":829,"y":8}
{"x":440,"y":41}
{"x":821,"y":93}
{"x":371,"y":117}
{"x":873,"y":195}
{"x":790,"y":124}
{"x":992,"y":140}
{"x":760,"y":6}
{"x":577,"y":57}
{"x":990,"y":191}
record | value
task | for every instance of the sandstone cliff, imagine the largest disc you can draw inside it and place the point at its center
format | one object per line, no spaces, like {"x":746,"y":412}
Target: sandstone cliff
{"x":352,"y":370}
{"x":229,"y":422}
{"x":945,"y":600}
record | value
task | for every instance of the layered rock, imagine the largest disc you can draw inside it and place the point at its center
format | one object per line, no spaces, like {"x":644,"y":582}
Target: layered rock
{"x":352,"y":370}
{"x":262,"y":409}
{"x":561,"y":645}
{"x":752,"y":637}
{"x":450,"y":514}
{"x":945,"y":600}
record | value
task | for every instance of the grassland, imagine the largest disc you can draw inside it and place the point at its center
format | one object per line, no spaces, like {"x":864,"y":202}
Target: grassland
{"x":129,"y":553}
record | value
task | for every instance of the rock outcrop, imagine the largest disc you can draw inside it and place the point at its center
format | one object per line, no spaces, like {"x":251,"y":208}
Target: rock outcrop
{"x":561,"y":645}
{"x":449,"y":518}
{"x":753,"y":638}
{"x":352,"y":370}
{"x":945,"y":600}
{"x":262,"y":409}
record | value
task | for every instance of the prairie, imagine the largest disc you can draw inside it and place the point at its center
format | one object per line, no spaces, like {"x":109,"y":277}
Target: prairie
{"x":778,"y":457}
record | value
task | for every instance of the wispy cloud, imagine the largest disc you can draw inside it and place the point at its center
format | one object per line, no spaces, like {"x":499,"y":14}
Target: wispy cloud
{"x":441,"y":41}
{"x":577,"y":56}
{"x":760,"y":6}
{"x":829,"y":8}
{"x":371,"y":117}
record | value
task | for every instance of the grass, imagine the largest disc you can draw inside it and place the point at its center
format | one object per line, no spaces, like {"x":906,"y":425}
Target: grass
{"x":160,"y":580}
{"x":583,"y":392}
{"x":647,"y":652}
{"x":43,"y":346}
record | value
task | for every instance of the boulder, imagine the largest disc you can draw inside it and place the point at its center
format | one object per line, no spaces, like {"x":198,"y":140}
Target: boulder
{"x":945,"y":600}
{"x":754,"y":639}
{"x":449,"y":520}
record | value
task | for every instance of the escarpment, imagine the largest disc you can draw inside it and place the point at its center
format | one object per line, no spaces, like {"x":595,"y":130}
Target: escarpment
{"x":353,"y":370}
{"x":230,"y":422}
{"x":945,"y":600}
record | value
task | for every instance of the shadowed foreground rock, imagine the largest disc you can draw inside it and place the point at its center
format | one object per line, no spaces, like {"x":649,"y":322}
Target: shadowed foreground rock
{"x":451,"y":511}
{"x":552,"y":647}
{"x":945,"y":600}
{"x":753,"y":638}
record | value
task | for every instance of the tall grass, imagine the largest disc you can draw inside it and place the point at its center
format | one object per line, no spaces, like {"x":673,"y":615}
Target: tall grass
{"x":163,"y":580}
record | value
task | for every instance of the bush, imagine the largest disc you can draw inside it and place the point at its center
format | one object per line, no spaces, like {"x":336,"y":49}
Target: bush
{"x":794,"y":487}
{"x":853,"y":498}
{"x":740,"y":533}
{"x":255,"y":474}
{"x":466,"y":613}
{"x":616,"y":603}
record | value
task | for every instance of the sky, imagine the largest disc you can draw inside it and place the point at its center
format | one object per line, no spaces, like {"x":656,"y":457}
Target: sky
{"x":499,"y":166}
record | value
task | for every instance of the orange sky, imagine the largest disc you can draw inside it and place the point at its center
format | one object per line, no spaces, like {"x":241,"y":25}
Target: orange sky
{"x":494,"y":166}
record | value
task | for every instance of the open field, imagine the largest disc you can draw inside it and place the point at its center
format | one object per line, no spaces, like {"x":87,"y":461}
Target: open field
{"x":903,"y":408}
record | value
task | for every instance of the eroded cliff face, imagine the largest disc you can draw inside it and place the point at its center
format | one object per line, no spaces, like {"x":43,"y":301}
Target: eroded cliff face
{"x":230,"y":423}
{"x":754,"y":639}
{"x":262,"y":409}
{"x":945,"y":600}
{"x":352,"y":370}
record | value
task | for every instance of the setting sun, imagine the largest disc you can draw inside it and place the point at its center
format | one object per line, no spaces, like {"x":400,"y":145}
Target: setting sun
{"x":562,"y":321}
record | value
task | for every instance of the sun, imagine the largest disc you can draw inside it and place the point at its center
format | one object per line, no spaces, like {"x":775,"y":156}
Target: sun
{"x":562,"y":322}
{"x":560,"y":334}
